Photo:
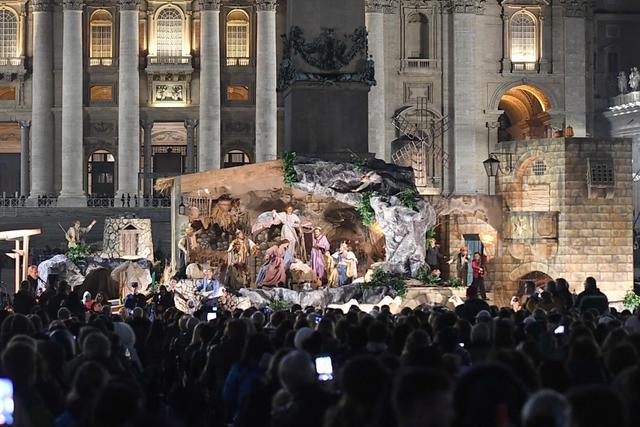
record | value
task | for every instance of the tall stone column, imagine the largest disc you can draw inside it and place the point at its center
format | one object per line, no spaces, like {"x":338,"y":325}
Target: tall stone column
{"x":72,"y":194}
{"x":468,"y":152}
{"x":148,"y":155}
{"x":190,"y":125}
{"x":128,"y":101}
{"x":209,"y":133}
{"x":576,"y":86}
{"x":374,"y":19}
{"x":41,"y":116}
{"x":266,"y":76}
{"x":25,"y":125}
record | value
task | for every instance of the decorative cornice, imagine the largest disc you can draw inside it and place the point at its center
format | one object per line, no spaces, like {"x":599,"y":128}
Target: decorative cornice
{"x":380,"y":6}
{"x":463,"y":6}
{"x":577,"y":8}
{"x":42,"y":5}
{"x":128,"y":4}
{"x":72,"y":4}
{"x":268,"y":5}
{"x":210,"y":4}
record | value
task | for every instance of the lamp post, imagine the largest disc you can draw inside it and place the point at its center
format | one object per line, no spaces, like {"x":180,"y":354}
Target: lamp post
{"x":493,"y":166}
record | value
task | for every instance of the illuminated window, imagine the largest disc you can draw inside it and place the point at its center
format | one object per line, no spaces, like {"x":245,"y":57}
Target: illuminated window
{"x":101,"y":38}
{"x":236,"y":158}
{"x":523,"y":38}
{"x":101,"y":93}
{"x":7,"y":93}
{"x":237,"y":38}
{"x":237,"y":93}
{"x":8,"y":34}
{"x":169,"y":32}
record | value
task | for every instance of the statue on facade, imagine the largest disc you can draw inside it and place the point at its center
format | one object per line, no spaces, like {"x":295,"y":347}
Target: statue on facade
{"x":622,"y":82}
{"x":634,"y":79}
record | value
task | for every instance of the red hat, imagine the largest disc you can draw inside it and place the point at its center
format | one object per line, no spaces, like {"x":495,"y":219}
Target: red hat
{"x":463,"y":249}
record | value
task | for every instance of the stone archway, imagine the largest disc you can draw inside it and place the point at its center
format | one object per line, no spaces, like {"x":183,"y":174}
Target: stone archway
{"x":525,"y":113}
{"x":526,"y":268}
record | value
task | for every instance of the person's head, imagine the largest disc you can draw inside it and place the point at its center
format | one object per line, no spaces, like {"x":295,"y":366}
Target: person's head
{"x":32,"y":271}
{"x":317,"y":231}
{"x":101,"y":298}
{"x":464,"y":250}
{"x":208,"y":273}
{"x":239,"y":234}
{"x":476,"y":256}
{"x":284,"y":243}
{"x":138,"y":313}
{"x":96,"y":345}
{"x":436,"y":272}
{"x":88,"y":379}
{"x":422,"y":397}
{"x":590,"y":284}
{"x":134,"y":286}
{"x":597,"y":405}
{"x":481,"y":333}
{"x":472,"y":292}
{"x":64,"y":313}
{"x":96,"y":307}
{"x":19,"y":363}
{"x":489,"y":395}
{"x":24,"y":286}
{"x":76,"y":223}
{"x":546,"y":408}
{"x":289,"y":209}
{"x":64,"y":288}
{"x":344,"y":245}
{"x":432,"y":243}
{"x":86,"y":297}
{"x":529,"y":287}
{"x":366,"y":392}
{"x":297,"y":371}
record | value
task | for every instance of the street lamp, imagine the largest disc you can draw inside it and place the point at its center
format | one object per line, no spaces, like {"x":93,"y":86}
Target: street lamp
{"x":491,"y":166}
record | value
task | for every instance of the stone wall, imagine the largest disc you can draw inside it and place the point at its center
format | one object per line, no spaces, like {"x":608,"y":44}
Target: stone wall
{"x":112,"y":244}
{"x":583,"y":232}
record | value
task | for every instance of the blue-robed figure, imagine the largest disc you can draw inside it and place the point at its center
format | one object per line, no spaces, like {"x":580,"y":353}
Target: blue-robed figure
{"x":209,"y":288}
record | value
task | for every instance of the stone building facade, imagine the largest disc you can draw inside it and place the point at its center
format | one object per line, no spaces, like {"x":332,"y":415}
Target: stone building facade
{"x":103,"y":97}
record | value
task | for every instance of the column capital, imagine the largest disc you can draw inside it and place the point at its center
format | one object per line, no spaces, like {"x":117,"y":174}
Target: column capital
{"x":577,"y":8}
{"x":266,"y":5}
{"x":380,"y":6}
{"x":147,"y":125}
{"x":463,"y":6}
{"x":72,"y":4}
{"x":210,"y":4}
{"x":191,"y":124}
{"x":42,"y":5}
{"x":128,"y":4}
{"x":24,"y":124}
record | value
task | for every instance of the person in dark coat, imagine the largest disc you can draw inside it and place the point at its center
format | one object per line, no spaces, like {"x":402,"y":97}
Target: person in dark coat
{"x":23,"y":301}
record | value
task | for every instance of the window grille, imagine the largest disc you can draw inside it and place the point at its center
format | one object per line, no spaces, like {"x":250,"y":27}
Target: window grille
{"x":8,"y":34}
{"x":539,"y":168}
{"x":169,"y":32}
{"x":523,"y":38}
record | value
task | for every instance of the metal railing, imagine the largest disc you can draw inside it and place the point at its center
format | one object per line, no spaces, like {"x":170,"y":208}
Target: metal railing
{"x":104,"y":62}
{"x":418,"y":64}
{"x":12,"y":62}
{"x":169,"y":60}
{"x":238,"y":62}
{"x":525,"y":66}
{"x":129,"y":201}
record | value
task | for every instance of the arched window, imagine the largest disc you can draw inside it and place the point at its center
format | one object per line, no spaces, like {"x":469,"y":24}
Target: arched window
{"x":8,"y":34}
{"x":524,"y":38}
{"x":237,"y":38}
{"x":236,"y":158}
{"x":417,"y":37}
{"x":101,"y":38}
{"x":169,"y":32}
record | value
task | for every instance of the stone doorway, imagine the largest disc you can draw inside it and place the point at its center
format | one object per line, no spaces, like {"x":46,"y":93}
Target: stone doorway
{"x":100,"y":174}
{"x":537,"y":277}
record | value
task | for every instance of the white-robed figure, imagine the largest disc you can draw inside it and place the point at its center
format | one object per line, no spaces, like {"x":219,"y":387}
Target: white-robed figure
{"x":290,"y":222}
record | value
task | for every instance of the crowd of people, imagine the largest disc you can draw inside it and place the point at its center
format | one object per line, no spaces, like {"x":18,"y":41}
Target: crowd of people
{"x":545,"y":365}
